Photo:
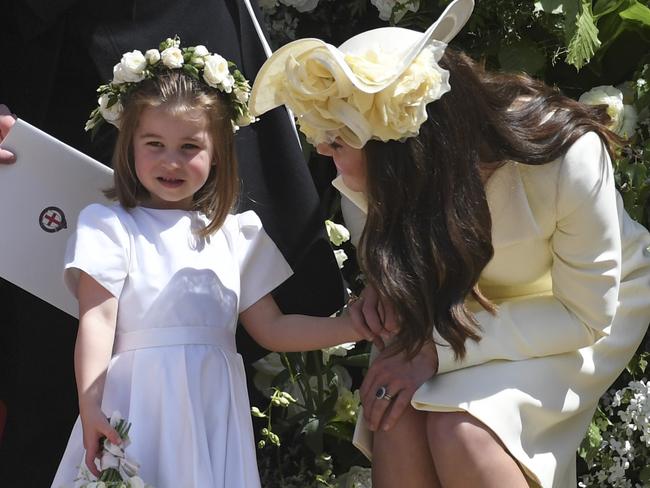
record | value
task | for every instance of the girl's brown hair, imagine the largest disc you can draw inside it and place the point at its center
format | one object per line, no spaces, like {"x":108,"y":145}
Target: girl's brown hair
{"x":428,"y":233}
{"x":180,"y":93}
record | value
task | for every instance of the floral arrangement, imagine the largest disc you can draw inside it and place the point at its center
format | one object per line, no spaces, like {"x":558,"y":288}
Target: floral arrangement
{"x":117,"y":470}
{"x":195,"y":61}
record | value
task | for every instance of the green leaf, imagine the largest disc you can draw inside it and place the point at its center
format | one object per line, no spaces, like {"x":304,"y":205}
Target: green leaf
{"x":604,"y":7}
{"x":584,"y":42}
{"x":637,"y":12}
{"x":644,"y":475}
{"x":522,"y":56}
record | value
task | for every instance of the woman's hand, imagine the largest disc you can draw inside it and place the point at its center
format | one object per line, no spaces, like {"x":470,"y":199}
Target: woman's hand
{"x":7,"y":121}
{"x":95,"y":426}
{"x":398,"y":378}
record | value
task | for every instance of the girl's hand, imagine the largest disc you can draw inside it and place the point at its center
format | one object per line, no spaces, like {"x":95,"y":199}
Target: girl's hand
{"x":379,"y":316}
{"x":7,"y":121}
{"x":95,"y":427}
{"x":359,"y":325}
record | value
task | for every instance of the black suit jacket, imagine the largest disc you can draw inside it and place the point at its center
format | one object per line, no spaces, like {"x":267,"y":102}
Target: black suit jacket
{"x":53,"y":55}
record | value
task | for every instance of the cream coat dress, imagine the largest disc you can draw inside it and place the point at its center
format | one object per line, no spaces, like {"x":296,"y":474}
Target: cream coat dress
{"x":571,"y":278}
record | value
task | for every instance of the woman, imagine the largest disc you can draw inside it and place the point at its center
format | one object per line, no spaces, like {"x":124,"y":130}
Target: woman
{"x":494,"y":234}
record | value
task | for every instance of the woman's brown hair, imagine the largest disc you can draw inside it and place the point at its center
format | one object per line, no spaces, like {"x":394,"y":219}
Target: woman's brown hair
{"x":179,"y":93}
{"x":428,"y":235}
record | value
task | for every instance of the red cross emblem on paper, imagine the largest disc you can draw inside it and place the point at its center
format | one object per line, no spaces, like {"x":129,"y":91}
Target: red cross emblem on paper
{"x":52,"y":219}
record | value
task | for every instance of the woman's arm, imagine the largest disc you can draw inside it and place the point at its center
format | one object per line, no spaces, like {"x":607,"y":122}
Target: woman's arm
{"x":276,"y":331}
{"x":586,"y":268}
{"x":97,"y":321}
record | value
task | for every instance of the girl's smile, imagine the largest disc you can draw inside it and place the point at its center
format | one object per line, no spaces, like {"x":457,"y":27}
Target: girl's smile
{"x":173,"y":156}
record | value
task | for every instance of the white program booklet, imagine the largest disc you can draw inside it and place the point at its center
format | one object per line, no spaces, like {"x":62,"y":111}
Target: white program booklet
{"x":41,"y":196}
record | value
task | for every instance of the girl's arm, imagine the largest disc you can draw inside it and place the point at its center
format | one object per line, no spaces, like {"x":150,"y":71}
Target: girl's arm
{"x":276,"y":331}
{"x":97,"y":321}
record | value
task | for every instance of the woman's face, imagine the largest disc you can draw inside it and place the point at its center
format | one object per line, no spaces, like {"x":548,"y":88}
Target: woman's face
{"x":350,"y":162}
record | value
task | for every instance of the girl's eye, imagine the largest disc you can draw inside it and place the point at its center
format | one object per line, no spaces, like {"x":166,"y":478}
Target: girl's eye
{"x":190,"y":146}
{"x":154,"y":143}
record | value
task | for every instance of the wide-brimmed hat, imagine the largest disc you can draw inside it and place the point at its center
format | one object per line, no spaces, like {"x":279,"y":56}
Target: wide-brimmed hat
{"x":338,"y":91}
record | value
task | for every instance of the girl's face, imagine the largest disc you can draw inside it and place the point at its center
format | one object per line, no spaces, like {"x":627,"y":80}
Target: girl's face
{"x":173,"y":156}
{"x":350,"y":162}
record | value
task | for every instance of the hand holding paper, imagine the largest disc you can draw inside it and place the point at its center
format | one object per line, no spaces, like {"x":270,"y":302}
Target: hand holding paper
{"x":7,"y":121}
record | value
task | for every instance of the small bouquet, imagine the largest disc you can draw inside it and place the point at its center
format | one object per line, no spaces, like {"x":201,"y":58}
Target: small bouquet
{"x":116,"y":469}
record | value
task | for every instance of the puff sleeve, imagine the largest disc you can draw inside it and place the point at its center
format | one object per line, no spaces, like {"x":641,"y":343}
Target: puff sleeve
{"x":262,"y":266}
{"x":100,"y":247}
{"x":585,"y":271}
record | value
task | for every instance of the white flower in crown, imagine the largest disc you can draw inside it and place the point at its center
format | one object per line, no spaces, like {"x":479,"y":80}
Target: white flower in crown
{"x":196,"y":62}
{"x":215,"y":70}
{"x":110,"y":112}
{"x":130,"y":69}
{"x":172,"y":57}
{"x":152,"y":56}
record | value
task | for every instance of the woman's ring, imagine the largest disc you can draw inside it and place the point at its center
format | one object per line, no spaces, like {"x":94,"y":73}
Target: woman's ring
{"x":382,"y":392}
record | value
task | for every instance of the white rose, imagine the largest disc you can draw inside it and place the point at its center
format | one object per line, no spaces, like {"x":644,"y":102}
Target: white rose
{"x":301,"y":5}
{"x":215,"y":70}
{"x":227,"y":83}
{"x":201,"y":50}
{"x":111,"y":114}
{"x":130,"y":68}
{"x":172,"y":57}
{"x":152,"y":56}
{"x":613,"y":98}
{"x":244,"y":120}
{"x":136,"y":482}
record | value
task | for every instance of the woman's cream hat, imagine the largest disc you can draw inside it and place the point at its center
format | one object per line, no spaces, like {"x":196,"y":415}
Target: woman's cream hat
{"x":375,"y":85}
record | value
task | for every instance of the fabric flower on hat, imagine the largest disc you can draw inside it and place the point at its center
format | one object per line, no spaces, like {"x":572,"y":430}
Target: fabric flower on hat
{"x":329,"y":105}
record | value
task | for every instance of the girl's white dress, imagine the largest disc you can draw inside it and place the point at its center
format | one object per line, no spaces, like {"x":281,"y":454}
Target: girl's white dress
{"x":175,"y":372}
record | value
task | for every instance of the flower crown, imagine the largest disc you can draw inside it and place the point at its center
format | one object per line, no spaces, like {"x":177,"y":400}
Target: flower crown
{"x":196,"y":61}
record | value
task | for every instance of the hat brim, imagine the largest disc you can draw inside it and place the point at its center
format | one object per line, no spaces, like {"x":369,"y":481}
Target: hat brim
{"x":264,"y":96}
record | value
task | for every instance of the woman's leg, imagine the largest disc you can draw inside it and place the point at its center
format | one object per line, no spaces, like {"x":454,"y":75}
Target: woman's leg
{"x":401,"y":457}
{"x":467,"y":453}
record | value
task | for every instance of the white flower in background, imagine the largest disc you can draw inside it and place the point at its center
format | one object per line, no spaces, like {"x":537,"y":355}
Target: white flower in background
{"x":337,"y":233}
{"x":386,"y":8}
{"x":130,"y":68}
{"x":341,"y":257}
{"x":357,"y":477}
{"x":172,"y":57}
{"x":227,"y":83}
{"x":623,"y":117}
{"x":111,"y":114}
{"x":242,"y":95}
{"x":341,"y":350}
{"x":347,"y":405}
{"x":301,"y":5}
{"x":152,"y":56}
{"x":215,"y":70}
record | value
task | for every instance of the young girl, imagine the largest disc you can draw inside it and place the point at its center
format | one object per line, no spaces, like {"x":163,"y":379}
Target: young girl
{"x":163,"y":276}
{"x":494,"y":231}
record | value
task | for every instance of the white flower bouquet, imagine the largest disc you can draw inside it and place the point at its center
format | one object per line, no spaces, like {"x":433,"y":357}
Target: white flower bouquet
{"x":117,"y":470}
